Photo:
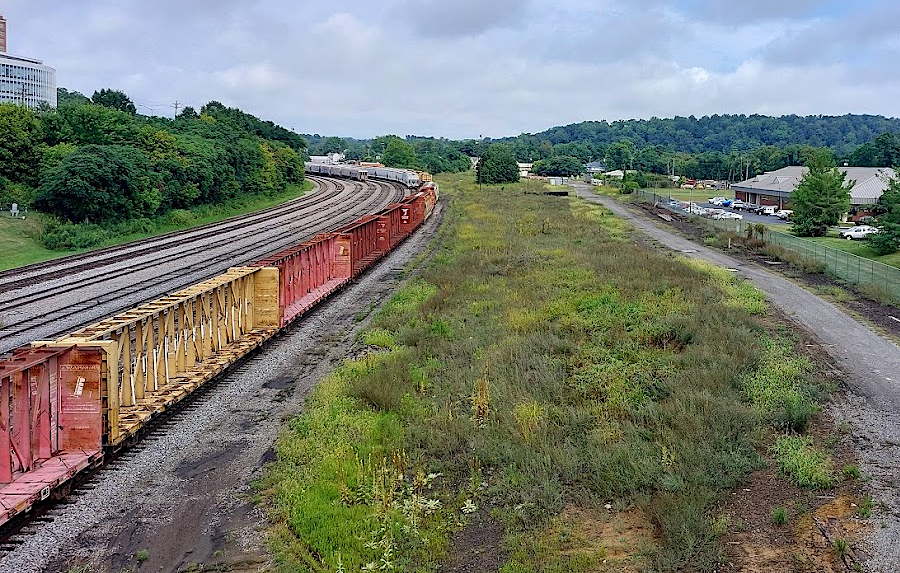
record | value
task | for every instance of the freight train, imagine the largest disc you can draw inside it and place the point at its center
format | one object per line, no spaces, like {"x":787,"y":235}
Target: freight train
{"x":412,"y":179}
{"x":67,"y":403}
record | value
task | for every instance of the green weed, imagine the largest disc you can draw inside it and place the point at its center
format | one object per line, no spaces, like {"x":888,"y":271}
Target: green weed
{"x":779,"y":516}
{"x":806,"y":465}
{"x":851,"y":471}
{"x":379,"y":337}
{"x":865,"y":508}
{"x":781,"y":388}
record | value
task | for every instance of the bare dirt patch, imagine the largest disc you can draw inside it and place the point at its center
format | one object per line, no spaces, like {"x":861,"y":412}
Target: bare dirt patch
{"x":814,"y":520}
{"x":615,"y":538}
{"x":477,"y":548}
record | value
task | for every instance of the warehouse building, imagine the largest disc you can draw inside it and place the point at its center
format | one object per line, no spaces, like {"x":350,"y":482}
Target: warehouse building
{"x":775,"y":188}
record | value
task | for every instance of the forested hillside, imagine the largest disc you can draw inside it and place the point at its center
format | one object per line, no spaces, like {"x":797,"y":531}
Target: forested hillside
{"x":714,"y":147}
{"x":729,"y":147}
{"x":96,"y":161}
{"x":725,"y":133}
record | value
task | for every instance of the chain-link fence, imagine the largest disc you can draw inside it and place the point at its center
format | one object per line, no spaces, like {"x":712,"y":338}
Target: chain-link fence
{"x":881,"y":280}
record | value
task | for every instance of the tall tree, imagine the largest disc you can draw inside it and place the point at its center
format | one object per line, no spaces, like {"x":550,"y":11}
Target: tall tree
{"x":20,"y":136}
{"x":398,"y":153}
{"x":820,"y":199}
{"x":887,"y":239}
{"x":66,"y":97}
{"x":114,"y":99}
{"x":497,"y":165}
{"x":560,"y":166}
{"x":101,"y":183}
{"x":332,"y":145}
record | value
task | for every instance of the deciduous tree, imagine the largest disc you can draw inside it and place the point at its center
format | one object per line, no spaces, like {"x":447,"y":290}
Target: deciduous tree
{"x":114,"y":99}
{"x":20,"y":137}
{"x":100,"y":184}
{"x":887,"y":240}
{"x":497,"y":165}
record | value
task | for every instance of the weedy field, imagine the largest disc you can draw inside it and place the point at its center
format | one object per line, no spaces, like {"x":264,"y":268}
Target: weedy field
{"x":593,"y":398}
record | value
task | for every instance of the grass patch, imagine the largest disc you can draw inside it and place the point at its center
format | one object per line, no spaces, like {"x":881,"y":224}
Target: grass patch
{"x":782,"y":388}
{"x":865,"y":507}
{"x":858,"y":248}
{"x":542,"y":360}
{"x":805,"y":464}
{"x":23,"y":242}
{"x":779,"y":516}
{"x":851,"y":471}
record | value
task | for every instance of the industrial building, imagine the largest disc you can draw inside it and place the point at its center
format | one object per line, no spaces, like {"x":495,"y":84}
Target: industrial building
{"x":866,"y":185}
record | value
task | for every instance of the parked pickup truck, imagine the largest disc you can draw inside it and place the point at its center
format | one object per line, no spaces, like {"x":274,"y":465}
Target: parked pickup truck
{"x":857,"y":232}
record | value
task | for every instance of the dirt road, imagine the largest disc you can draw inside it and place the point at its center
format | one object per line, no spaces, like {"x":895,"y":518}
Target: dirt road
{"x":869,"y":361}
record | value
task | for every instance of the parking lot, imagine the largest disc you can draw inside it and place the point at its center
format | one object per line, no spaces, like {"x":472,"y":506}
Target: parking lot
{"x":747,"y":215}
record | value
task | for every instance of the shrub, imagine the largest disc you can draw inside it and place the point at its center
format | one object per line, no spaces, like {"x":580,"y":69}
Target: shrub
{"x":69,"y":236}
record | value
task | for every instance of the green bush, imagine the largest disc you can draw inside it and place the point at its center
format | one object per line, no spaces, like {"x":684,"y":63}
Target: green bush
{"x":69,"y":236}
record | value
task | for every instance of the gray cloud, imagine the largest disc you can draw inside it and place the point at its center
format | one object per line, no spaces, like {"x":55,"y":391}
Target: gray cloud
{"x":755,"y":10}
{"x":472,"y":67}
{"x":462,"y":17}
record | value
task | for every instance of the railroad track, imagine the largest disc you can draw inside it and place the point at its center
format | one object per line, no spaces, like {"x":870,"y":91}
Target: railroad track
{"x":38,"y":310}
{"x":40,"y":272}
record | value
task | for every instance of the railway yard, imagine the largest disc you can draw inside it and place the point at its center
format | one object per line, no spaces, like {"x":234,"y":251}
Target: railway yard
{"x":141,"y":419}
{"x":85,"y":393}
{"x":50,"y":298}
{"x":191,"y":474}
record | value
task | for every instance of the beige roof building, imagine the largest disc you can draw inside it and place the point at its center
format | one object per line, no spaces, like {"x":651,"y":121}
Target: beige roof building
{"x":867,"y":184}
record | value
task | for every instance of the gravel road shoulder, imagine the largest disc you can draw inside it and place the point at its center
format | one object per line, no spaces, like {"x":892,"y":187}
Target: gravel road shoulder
{"x":182,"y":497}
{"x":870,"y":364}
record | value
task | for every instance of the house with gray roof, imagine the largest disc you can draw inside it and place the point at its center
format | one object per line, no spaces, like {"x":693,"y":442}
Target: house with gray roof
{"x":775,"y":188}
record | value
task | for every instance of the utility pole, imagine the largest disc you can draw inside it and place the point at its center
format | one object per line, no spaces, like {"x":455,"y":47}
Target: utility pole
{"x":177,"y":105}
{"x":22,"y":95}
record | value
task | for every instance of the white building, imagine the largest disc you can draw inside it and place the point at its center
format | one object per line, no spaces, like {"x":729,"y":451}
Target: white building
{"x":24,"y":80}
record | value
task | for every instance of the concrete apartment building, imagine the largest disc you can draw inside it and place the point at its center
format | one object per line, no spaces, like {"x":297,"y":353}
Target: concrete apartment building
{"x":25,"y":81}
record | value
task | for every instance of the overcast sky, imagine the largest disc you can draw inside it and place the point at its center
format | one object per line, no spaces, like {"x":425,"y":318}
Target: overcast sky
{"x":470,"y":68}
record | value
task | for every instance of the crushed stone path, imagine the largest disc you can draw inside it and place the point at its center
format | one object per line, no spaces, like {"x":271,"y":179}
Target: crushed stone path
{"x":869,"y":361}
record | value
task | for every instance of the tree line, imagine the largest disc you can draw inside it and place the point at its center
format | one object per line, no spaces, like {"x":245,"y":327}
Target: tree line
{"x":97,"y":161}
{"x":429,"y":154}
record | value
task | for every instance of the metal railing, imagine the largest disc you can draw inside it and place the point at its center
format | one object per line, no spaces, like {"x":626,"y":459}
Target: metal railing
{"x":848,"y":267}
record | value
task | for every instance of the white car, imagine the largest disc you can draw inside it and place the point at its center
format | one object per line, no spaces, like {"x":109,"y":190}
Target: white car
{"x":857,"y":232}
{"x":730,"y":215}
{"x":784,"y":213}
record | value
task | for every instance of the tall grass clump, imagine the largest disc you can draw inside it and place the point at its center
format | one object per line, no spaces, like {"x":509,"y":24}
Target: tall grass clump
{"x":542,"y":359}
{"x":782,"y":388}
{"x":803,"y":462}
